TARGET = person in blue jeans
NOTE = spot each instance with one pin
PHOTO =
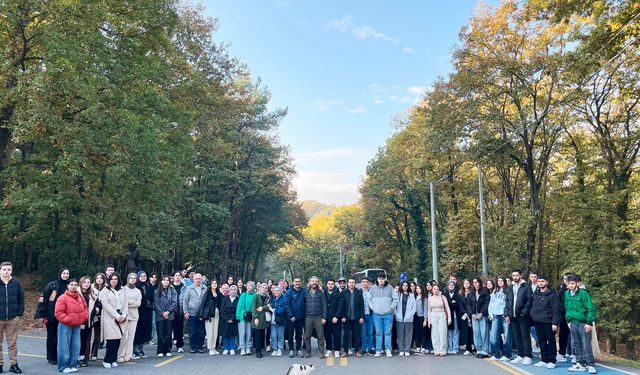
(453, 332)
(71, 312)
(499, 349)
(192, 299)
(382, 302)
(228, 315)
(367, 324)
(477, 305)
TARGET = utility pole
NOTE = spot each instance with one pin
(341, 260)
(482, 241)
(434, 250)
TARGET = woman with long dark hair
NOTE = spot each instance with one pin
(87, 327)
(145, 315)
(49, 297)
(228, 315)
(497, 304)
(477, 304)
(115, 310)
(466, 329)
(418, 320)
(164, 304)
(95, 314)
(71, 313)
(210, 313)
(404, 318)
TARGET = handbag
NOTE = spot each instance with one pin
(247, 316)
(268, 316)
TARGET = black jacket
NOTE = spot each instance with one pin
(563, 310)
(455, 307)
(209, 305)
(358, 304)
(481, 305)
(523, 301)
(11, 299)
(315, 304)
(228, 312)
(545, 307)
(334, 303)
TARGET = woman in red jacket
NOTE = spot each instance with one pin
(71, 312)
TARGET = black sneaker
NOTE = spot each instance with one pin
(192, 351)
(142, 355)
(15, 369)
(55, 363)
(201, 350)
(83, 363)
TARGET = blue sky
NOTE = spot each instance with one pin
(344, 69)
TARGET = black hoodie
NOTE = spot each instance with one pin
(545, 307)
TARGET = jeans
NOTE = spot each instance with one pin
(547, 342)
(277, 337)
(153, 324)
(481, 335)
(367, 333)
(520, 327)
(383, 324)
(229, 343)
(244, 331)
(196, 332)
(582, 344)
(498, 325)
(453, 338)
(68, 346)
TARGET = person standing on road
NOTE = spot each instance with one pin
(477, 305)
(333, 327)
(352, 318)
(71, 312)
(48, 299)
(95, 314)
(367, 325)
(145, 315)
(315, 316)
(438, 317)
(564, 338)
(418, 320)
(193, 297)
(279, 310)
(165, 300)
(177, 325)
(228, 309)
(545, 313)
(114, 317)
(134, 299)
(244, 316)
(580, 314)
(260, 308)
(210, 313)
(518, 306)
(466, 329)
(404, 313)
(87, 326)
(295, 316)
(11, 312)
(453, 329)
(383, 301)
(497, 304)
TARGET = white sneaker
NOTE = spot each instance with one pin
(279, 353)
(577, 368)
(494, 358)
(350, 352)
(67, 370)
(378, 354)
(407, 354)
(335, 354)
(114, 364)
(592, 370)
(401, 354)
(232, 352)
(526, 361)
(106, 365)
(274, 353)
(180, 350)
(560, 358)
(516, 360)
(225, 352)
(466, 352)
(212, 352)
(168, 355)
(215, 352)
(540, 364)
(74, 369)
(573, 359)
(160, 355)
(268, 348)
(551, 365)
(388, 352)
(504, 358)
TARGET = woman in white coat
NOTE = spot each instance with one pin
(405, 311)
(115, 310)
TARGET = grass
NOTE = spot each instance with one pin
(619, 361)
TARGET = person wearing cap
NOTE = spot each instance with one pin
(545, 313)
(342, 284)
(382, 302)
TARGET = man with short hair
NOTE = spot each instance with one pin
(516, 312)
(367, 325)
(333, 327)
(383, 301)
(11, 312)
(352, 318)
(178, 324)
(294, 302)
(110, 269)
(533, 282)
(545, 313)
(193, 297)
(315, 316)
(580, 314)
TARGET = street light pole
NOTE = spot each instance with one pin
(482, 240)
(341, 260)
(434, 251)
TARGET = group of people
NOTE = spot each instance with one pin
(482, 316)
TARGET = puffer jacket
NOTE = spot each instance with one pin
(12, 297)
(71, 309)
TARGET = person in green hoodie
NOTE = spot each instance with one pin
(581, 314)
(245, 316)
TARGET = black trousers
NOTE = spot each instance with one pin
(52, 340)
(521, 328)
(352, 331)
(95, 340)
(547, 342)
(111, 355)
(564, 337)
(178, 331)
(466, 336)
(295, 328)
(419, 333)
(85, 342)
(332, 333)
(163, 330)
(258, 338)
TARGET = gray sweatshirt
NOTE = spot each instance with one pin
(382, 300)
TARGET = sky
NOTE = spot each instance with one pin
(344, 70)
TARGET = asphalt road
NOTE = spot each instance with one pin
(31, 348)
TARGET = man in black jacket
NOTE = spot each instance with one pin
(352, 318)
(333, 326)
(516, 312)
(545, 313)
(11, 312)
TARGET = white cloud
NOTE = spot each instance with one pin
(285, 4)
(361, 32)
(325, 105)
(378, 101)
(406, 99)
(327, 187)
(335, 153)
(416, 90)
(393, 98)
(407, 49)
(343, 25)
(357, 111)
